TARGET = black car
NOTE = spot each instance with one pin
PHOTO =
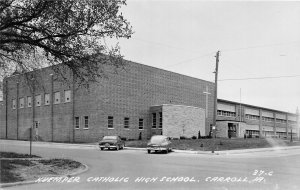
(159, 143)
(111, 142)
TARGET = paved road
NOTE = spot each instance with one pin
(138, 170)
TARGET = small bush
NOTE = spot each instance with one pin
(182, 137)
(194, 137)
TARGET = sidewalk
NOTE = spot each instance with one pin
(4, 142)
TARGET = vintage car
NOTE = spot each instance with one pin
(159, 143)
(111, 142)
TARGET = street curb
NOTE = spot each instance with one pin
(217, 152)
(173, 150)
(225, 152)
(85, 169)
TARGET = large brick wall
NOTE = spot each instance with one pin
(128, 93)
(184, 121)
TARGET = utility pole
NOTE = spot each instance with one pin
(215, 101)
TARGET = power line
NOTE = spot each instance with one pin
(260, 46)
(188, 60)
(259, 78)
(165, 45)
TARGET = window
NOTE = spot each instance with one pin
(86, 122)
(226, 113)
(67, 95)
(29, 101)
(252, 117)
(280, 120)
(126, 122)
(160, 120)
(141, 123)
(14, 103)
(153, 120)
(268, 119)
(21, 103)
(38, 100)
(110, 122)
(56, 97)
(47, 99)
(77, 122)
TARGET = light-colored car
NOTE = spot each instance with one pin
(111, 142)
(159, 143)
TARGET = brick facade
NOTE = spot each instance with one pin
(178, 121)
(129, 92)
(262, 121)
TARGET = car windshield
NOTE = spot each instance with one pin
(110, 138)
(157, 139)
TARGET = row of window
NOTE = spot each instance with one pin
(280, 120)
(110, 122)
(38, 100)
(252, 117)
(268, 119)
(226, 113)
(154, 120)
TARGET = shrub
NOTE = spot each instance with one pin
(182, 137)
(194, 137)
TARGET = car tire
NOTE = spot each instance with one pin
(149, 151)
(102, 148)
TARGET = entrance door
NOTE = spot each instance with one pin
(231, 130)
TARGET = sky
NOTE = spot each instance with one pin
(259, 44)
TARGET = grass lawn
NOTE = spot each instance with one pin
(220, 143)
(23, 169)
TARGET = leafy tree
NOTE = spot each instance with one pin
(39, 33)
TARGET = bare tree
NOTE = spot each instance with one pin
(39, 33)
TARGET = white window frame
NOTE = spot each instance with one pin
(14, 102)
(57, 97)
(38, 100)
(47, 99)
(29, 101)
(67, 95)
(21, 103)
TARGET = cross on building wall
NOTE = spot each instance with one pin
(206, 101)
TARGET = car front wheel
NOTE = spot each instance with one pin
(149, 151)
